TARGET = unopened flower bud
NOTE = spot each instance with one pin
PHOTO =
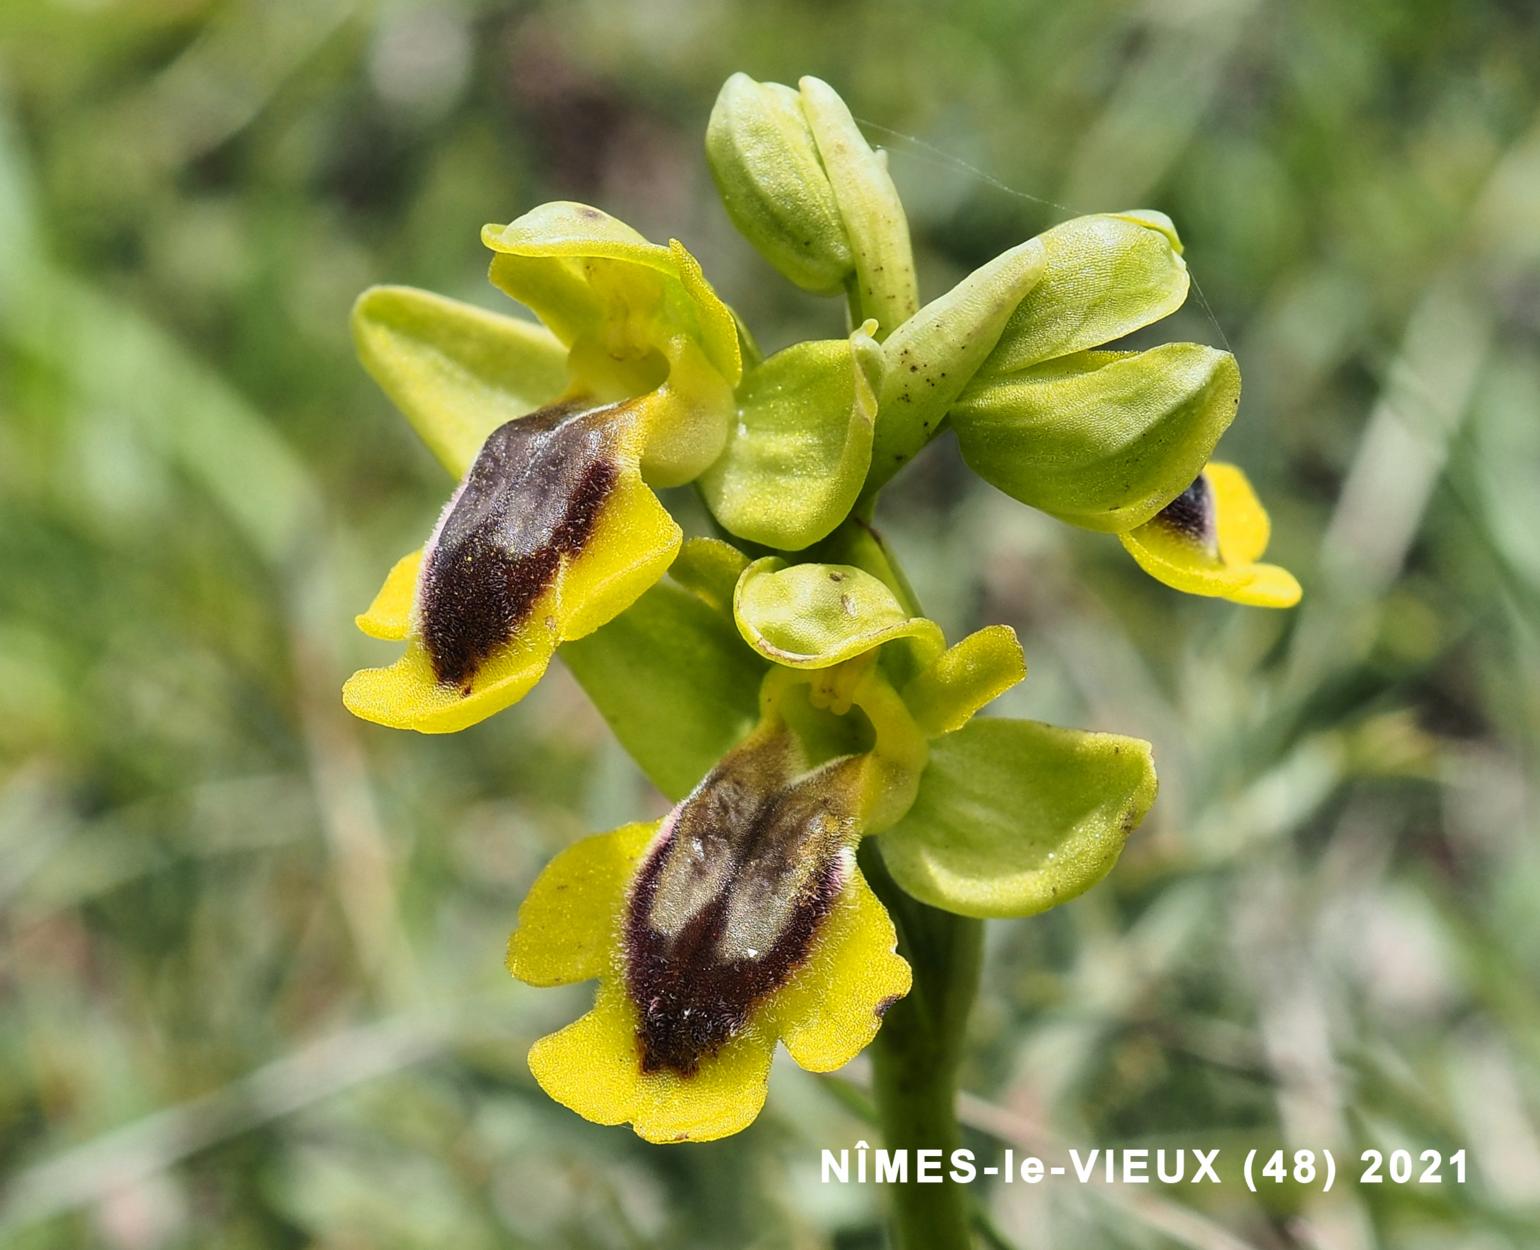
(765, 162)
(805, 188)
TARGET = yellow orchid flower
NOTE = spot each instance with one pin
(738, 920)
(1208, 541)
(741, 919)
(558, 435)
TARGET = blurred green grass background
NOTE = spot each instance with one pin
(251, 991)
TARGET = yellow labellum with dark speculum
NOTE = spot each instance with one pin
(1210, 540)
(554, 529)
(737, 921)
(551, 534)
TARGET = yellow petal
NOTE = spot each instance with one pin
(686, 417)
(593, 1066)
(631, 548)
(389, 617)
(1270, 586)
(975, 671)
(831, 1009)
(408, 694)
(1240, 520)
(566, 929)
(1172, 555)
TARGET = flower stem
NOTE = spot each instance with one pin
(915, 1058)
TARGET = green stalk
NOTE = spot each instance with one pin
(918, 1049)
(915, 1059)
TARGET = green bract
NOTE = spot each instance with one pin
(780, 682)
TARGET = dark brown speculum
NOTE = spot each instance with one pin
(728, 903)
(532, 496)
(1191, 514)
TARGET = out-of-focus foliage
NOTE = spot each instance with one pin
(251, 986)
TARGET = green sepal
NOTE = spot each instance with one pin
(710, 568)
(875, 224)
(818, 615)
(798, 454)
(964, 678)
(1103, 440)
(934, 354)
(456, 371)
(1105, 276)
(1014, 817)
(619, 302)
(674, 682)
(766, 167)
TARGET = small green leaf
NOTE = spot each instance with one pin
(673, 680)
(799, 452)
(1104, 440)
(456, 371)
(934, 354)
(816, 615)
(1014, 817)
(875, 223)
(773, 185)
(964, 678)
(1106, 276)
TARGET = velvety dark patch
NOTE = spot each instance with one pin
(533, 495)
(1191, 514)
(746, 847)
